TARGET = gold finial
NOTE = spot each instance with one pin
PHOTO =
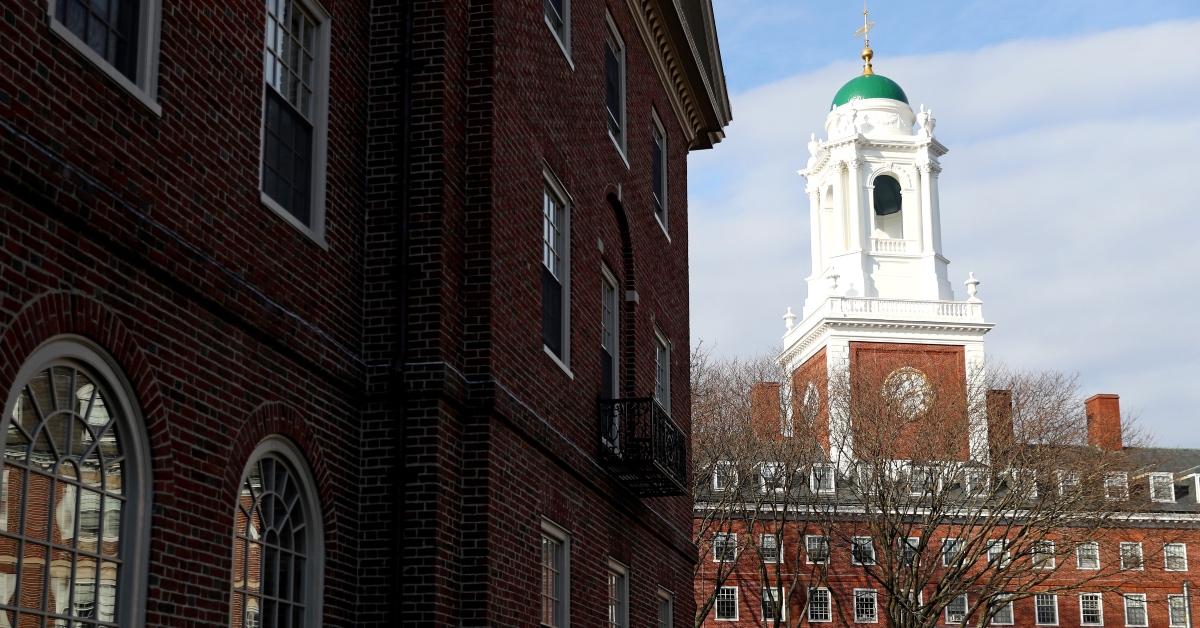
(865, 32)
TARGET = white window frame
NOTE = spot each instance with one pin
(664, 345)
(927, 471)
(1125, 597)
(664, 219)
(808, 549)
(559, 534)
(783, 614)
(874, 596)
(615, 568)
(946, 543)
(563, 39)
(665, 596)
(736, 604)
(909, 544)
(320, 122)
(1065, 478)
(1079, 556)
(1050, 553)
(814, 485)
(1170, 478)
(828, 605)
(966, 608)
(1003, 553)
(1116, 479)
(1027, 476)
(144, 85)
(1054, 598)
(1182, 554)
(614, 320)
(1187, 612)
(726, 537)
(733, 476)
(1099, 608)
(622, 143)
(1121, 554)
(762, 543)
(1011, 616)
(870, 544)
(554, 186)
(779, 476)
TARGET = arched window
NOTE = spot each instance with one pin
(277, 542)
(887, 202)
(74, 495)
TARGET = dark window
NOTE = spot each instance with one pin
(289, 72)
(556, 16)
(553, 272)
(614, 89)
(658, 174)
(608, 336)
(887, 195)
(109, 28)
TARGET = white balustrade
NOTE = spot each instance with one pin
(905, 309)
(893, 245)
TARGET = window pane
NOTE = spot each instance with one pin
(108, 28)
(613, 90)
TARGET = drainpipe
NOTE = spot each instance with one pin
(1187, 603)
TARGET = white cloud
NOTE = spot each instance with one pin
(1070, 189)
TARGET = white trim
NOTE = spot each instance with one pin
(134, 549)
(1182, 545)
(1012, 616)
(1053, 596)
(728, 536)
(1187, 612)
(1145, 609)
(871, 544)
(661, 339)
(320, 124)
(1079, 557)
(1099, 607)
(618, 568)
(314, 518)
(1123, 477)
(563, 41)
(783, 606)
(665, 220)
(854, 610)
(555, 186)
(144, 87)
(1047, 565)
(812, 479)
(945, 543)
(1170, 478)
(828, 600)
(733, 479)
(622, 145)
(1140, 556)
(607, 276)
(558, 533)
(668, 597)
(966, 608)
(778, 547)
(808, 550)
(737, 604)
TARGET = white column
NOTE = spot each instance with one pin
(927, 226)
(855, 191)
(815, 231)
(935, 212)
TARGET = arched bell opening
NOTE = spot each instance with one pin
(887, 203)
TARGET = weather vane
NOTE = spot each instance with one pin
(864, 31)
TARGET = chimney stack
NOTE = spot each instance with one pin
(999, 421)
(765, 413)
(1104, 421)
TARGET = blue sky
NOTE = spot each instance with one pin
(1073, 131)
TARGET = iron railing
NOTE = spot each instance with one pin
(642, 446)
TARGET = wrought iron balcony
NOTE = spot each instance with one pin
(642, 446)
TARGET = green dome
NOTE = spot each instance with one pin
(869, 86)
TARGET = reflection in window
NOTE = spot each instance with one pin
(64, 495)
(272, 548)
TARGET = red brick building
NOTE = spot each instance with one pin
(314, 312)
(913, 484)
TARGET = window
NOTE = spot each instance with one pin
(1162, 487)
(773, 604)
(662, 371)
(618, 595)
(1135, 609)
(277, 551)
(1091, 609)
(998, 554)
(866, 606)
(1004, 614)
(1116, 485)
(1178, 610)
(769, 548)
(724, 475)
(74, 446)
(1043, 555)
(817, 548)
(908, 549)
(924, 481)
(1175, 557)
(1087, 555)
(820, 606)
(1068, 483)
(614, 85)
(1024, 481)
(609, 326)
(951, 548)
(909, 604)
(724, 547)
(295, 99)
(956, 610)
(1046, 607)
(771, 477)
(1131, 556)
(666, 609)
(822, 479)
(727, 604)
(862, 550)
(120, 37)
(977, 481)
(556, 567)
(658, 170)
(558, 18)
(556, 272)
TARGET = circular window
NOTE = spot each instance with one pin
(909, 392)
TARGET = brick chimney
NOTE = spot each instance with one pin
(765, 413)
(999, 420)
(1104, 421)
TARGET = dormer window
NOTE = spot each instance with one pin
(1162, 487)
